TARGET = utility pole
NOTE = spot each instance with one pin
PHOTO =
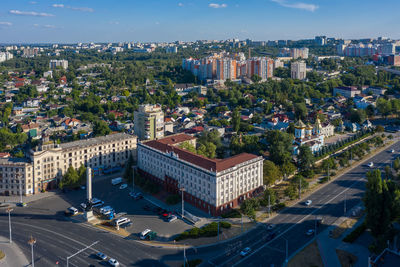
(329, 177)
(269, 206)
(133, 178)
(80, 252)
(315, 226)
(299, 187)
(182, 189)
(345, 203)
(242, 222)
(286, 249)
(184, 255)
(9, 210)
(20, 188)
(32, 241)
(218, 229)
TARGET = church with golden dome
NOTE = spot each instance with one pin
(306, 134)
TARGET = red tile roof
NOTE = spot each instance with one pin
(166, 145)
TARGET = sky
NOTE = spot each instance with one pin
(72, 21)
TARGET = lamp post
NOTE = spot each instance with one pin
(184, 255)
(287, 251)
(32, 241)
(9, 210)
(20, 188)
(345, 203)
(182, 189)
(133, 178)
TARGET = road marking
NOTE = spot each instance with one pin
(342, 192)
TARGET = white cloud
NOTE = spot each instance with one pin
(114, 22)
(83, 9)
(5, 23)
(299, 5)
(213, 5)
(180, 4)
(33, 2)
(45, 26)
(30, 13)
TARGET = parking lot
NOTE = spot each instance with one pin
(142, 213)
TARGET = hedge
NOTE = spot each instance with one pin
(208, 230)
(234, 213)
(356, 233)
(193, 263)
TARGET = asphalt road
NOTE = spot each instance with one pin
(292, 224)
(58, 237)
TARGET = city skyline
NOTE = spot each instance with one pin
(71, 21)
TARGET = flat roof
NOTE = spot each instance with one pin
(97, 140)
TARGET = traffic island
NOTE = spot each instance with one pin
(346, 258)
(2, 255)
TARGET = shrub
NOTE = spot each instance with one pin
(225, 225)
(173, 199)
(193, 263)
(279, 206)
(323, 180)
(234, 213)
(356, 233)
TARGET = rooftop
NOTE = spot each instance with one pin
(165, 145)
(96, 140)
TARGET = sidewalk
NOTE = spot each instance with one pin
(14, 256)
(328, 246)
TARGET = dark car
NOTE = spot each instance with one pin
(146, 207)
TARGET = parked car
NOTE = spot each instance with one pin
(71, 211)
(113, 262)
(308, 202)
(123, 186)
(166, 214)
(245, 252)
(172, 218)
(270, 226)
(83, 206)
(138, 196)
(392, 151)
(101, 256)
(310, 232)
(21, 204)
(371, 164)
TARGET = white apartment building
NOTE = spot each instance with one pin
(298, 70)
(4, 56)
(296, 53)
(54, 63)
(212, 185)
(47, 164)
(16, 176)
(149, 122)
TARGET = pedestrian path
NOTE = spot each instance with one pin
(14, 255)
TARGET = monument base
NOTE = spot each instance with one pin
(89, 216)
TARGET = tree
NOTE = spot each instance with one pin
(305, 159)
(271, 194)
(287, 168)
(101, 128)
(69, 179)
(128, 173)
(188, 146)
(329, 164)
(280, 146)
(249, 207)
(384, 106)
(271, 172)
(236, 120)
(255, 78)
(300, 110)
(208, 150)
(81, 174)
(358, 115)
(396, 164)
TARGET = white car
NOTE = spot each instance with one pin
(172, 218)
(310, 232)
(371, 164)
(392, 151)
(245, 252)
(123, 186)
(308, 202)
(113, 262)
(101, 256)
(83, 206)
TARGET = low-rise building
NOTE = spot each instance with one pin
(346, 91)
(16, 176)
(212, 185)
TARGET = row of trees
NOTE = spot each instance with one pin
(73, 178)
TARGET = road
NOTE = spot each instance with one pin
(58, 237)
(291, 224)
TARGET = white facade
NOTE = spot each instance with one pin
(4, 56)
(298, 70)
(14, 173)
(54, 63)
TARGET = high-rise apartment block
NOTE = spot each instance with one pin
(5, 56)
(366, 49)
(54, 63)
(149, 122)
(224, 66)
(30, 52)
(296, 53)
(298, 70)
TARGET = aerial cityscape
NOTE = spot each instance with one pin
(199, 133)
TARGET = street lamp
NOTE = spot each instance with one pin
(133, 178)
(32, 241)
(182, 189)
(9, 210)
(287, 248)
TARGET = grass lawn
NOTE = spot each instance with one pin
(309, 256)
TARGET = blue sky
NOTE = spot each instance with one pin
(69, 21)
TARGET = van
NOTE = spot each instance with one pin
(144, 234)
(96, 202)
(121, 221)
(116, 181)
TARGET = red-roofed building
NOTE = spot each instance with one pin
(213, 185)
(63, 80)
